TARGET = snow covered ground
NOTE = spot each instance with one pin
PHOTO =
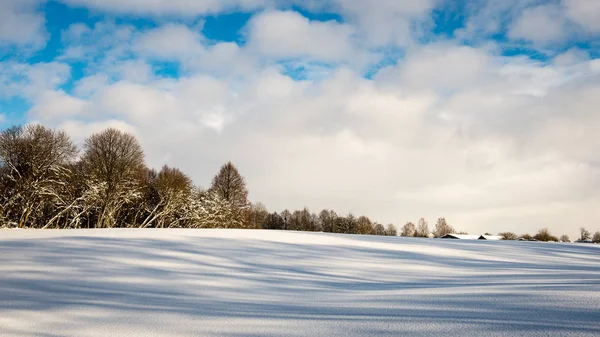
(261, 283)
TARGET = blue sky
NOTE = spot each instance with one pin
(308, 96)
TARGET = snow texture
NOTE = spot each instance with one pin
(263, 283)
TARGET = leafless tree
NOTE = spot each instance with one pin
(210, 210)
(305, 221)
(409, 230)
(274, 221)
(34, 170)
(379, 229)
(112, 162)
(327, 220)
(172, 190)
(422, 229)
(294, 223)
(347, 224)
(391, 230)
(585, 234)
(365, 226)
(544, 235)
(286, 215)
(526, 236)
(256, 216)
(565, 238)
(442, 228)
(508, 236)
(230, 186)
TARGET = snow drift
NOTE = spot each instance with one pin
(262, 283)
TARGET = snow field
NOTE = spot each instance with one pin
(267, 283)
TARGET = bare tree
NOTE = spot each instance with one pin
(391, 230)
(256, 216)
(596, 237)
(442, 228)
(544, 235)
(113, 161)
(422, 229)
(274, 221)
(379, 229)
(171, 190)
(346, 225)
(230, 186)
(526, 236)
(508, 236)
(294, 221)
(565, 238)
(286, 215)
(409, 230)
(34, 169)
(327, 219)
(210, 210)
(585, 234)
(305, 221)
(364, 226)
(314, 218)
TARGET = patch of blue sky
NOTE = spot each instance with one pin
(166, 69)
(305, 70)
(547, 54)
(390, 58)
(226, 27)
(13, 111)
(592, 47)
(319, 16)
(78, 71)
(514, 50)
(449, 17)
(59, 18)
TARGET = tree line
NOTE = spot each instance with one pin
(46, 181)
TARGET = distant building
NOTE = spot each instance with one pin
(490, 237)
(584, 241)
(470, 237)
(460, 237)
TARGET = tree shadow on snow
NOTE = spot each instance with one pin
(376, 291)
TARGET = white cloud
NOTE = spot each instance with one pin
(22, 25)
(100, 46)
(441, 66)
(487, 17)
(55, 106)
(89, 85)
(185, 8)
(585, 13)
(19, 79)
(543, 25)
(451, 131)
(186, 45)
(170, 42)
(388, 22)
(285, 35)
(571, 57)
(79, 131)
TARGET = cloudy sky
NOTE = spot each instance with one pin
(485, 112)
